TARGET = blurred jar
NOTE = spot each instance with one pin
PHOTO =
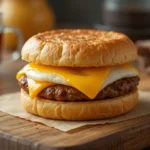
(131, 17)
(31, 16)
(125, 13)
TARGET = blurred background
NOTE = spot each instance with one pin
(131, 17)
(20, 19)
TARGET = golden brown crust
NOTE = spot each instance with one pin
(79, 48)
(79, 110)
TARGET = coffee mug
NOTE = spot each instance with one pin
(15, 55)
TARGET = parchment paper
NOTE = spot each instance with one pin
(11, 104)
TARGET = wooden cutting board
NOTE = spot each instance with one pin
(19, 134)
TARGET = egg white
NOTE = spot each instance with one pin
(114, 75)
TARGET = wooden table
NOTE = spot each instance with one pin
(19, 134)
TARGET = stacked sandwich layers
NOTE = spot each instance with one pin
(78, 75)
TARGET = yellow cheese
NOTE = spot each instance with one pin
(35, 87)
(87, 80)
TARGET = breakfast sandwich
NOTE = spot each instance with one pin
(78, 75)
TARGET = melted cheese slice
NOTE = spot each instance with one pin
(35, 87)
(87, 80)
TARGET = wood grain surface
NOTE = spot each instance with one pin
(19, 134)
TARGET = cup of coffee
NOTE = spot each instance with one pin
(14, 54)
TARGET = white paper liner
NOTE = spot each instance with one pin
(11, 104)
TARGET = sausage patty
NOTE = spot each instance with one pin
(67, 93)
